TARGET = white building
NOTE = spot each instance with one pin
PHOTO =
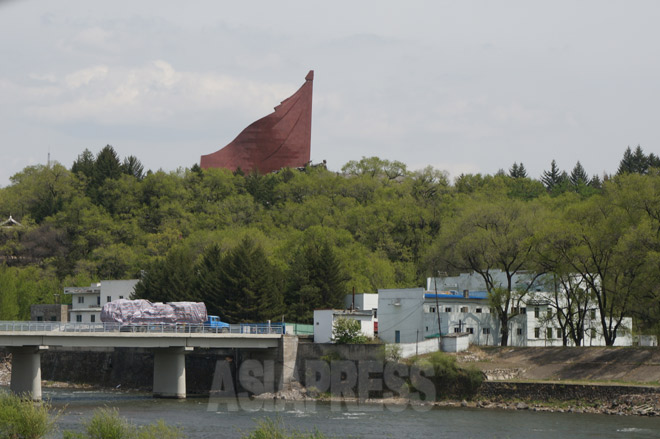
(415, 314)
(324, 322)
(363, 302)
(88, 301)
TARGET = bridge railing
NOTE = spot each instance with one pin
(243, 328)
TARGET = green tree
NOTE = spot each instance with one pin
(552, 178)
(518, 171)
(317, 281)
(348, 331)
(250, 286)
(171, 279)
(488, 236)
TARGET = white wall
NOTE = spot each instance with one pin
(323, 322)
(407, 350)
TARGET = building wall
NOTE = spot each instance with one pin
(323, 325)
(363, 302)
(87, 301)
(407, 311)
(49, 313)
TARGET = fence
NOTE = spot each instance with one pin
(181, 328)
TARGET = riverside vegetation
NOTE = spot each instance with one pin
(20, 418)
(258, 247)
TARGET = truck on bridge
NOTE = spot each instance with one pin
(131, 315)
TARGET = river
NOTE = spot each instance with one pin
(201, 420)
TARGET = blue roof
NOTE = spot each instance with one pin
(477, 295)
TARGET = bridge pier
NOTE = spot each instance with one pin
(170, 372)
(26, 371)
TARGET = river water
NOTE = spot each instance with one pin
(201, 418)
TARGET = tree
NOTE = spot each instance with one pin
(518, 171)
(249, 287)
(635, 162)
(552, 178)
(171, 279)
(133, 166)
(488, 236)
(579, 177)
(317, 281)
(348, 331)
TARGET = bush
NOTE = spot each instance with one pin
(274, 429)
(21, 418)
(107, 424)
(347, 331)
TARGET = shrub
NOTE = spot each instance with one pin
(107, 424)
(269, 428)
(347, 331)
(21, 418)
(449, 378)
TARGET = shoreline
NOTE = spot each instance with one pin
(631, 404)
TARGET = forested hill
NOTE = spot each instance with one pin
(255, 247)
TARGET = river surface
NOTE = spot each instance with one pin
(201, 418)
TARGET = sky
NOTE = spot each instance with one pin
(463, 86)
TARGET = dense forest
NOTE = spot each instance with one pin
(257, 247)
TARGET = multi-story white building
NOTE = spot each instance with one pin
(88, 301)
(414, 314)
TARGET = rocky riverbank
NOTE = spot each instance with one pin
(645, 403)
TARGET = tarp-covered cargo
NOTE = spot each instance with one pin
(143, 311)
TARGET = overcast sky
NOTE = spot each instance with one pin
(464, 86)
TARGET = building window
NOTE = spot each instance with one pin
(537, 332)
(519, 331)
(427, 329)
(448, 309)
(560, 333)
(537, 311)
(432, 309)
(108, 299)
(397, 336)
(470, 330)
(593, 332)
(98, 300)
(523, 310)
(485, 331)
(92, 318)
(81, 299)
(457, 329)
(40, 319)
(53, 318)
(549, 313)
(464, 309)
(549, 332)
(478, 311)
(78, 318)
(121, 297)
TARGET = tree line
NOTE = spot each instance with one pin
(257, 247)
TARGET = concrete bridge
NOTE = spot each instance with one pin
(170, 343)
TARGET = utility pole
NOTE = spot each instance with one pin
(437, 308)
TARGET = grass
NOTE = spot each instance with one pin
(21, 418)
(269, 428)
(107, 424)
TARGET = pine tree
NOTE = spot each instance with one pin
(84, 165)
(133, 166)
(635, 162)
(579, 176)
(317, 280)
(169, 280)
(518, 171)
(552, 178)
(249, 286)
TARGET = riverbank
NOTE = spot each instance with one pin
(515, 392)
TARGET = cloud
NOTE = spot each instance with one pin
(149, 94)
